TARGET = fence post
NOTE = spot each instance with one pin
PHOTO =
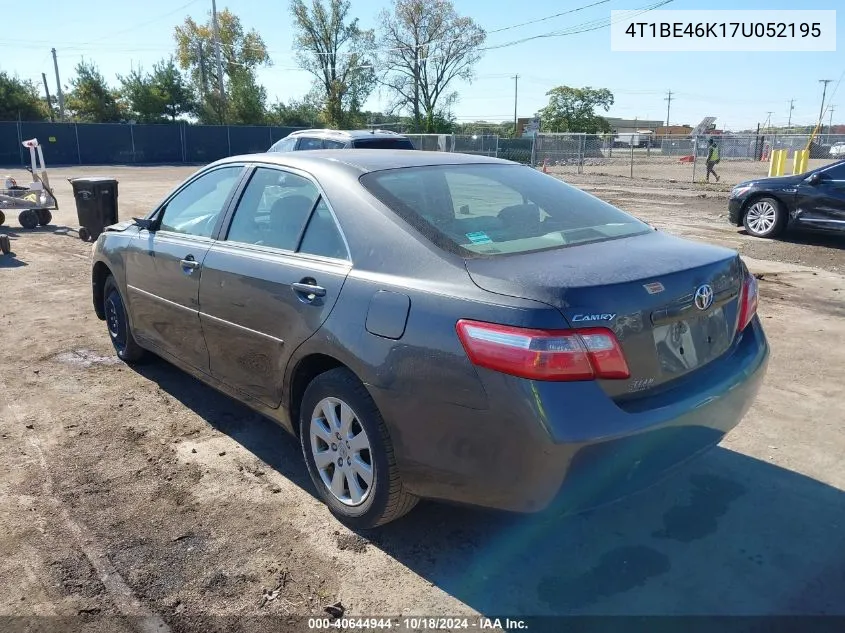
(229, 139)
(132, 138)
(270, 130)
(20, 141)
(534, 149)
(632, 158)
(184, 139)
(78, 150)
(497, 146)
(694, 156)
(582, 153)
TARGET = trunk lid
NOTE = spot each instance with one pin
(643, 288)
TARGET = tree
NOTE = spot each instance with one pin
(155, 97)
(297, 113)
(91, 100)
(248, 100)
(334, 49)
(19, 100)
(573, 110)
(242, 53)
(427, 47)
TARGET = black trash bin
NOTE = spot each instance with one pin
(96, 204)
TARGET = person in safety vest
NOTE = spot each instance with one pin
(712, 159)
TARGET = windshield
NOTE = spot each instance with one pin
(382, 143)
(484, 210)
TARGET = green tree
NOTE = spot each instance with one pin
(242, 52)
(428, 47)
(90, 99)
(157, 96)
(332, 47)
(19, 100)
(306, 112)
(573, 110)
(248, 100)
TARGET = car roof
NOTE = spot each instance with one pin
(365, 160)
(346, 134)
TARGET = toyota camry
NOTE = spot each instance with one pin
(439, 325)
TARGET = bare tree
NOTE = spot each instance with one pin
(426, 46)
(335, 50)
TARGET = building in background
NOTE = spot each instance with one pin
(632, 126)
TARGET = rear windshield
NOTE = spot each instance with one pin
(488, 210)
(382, 143)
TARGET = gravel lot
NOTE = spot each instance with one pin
(143, 493)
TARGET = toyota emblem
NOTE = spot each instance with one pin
(704, 297)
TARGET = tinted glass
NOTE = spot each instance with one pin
(310, 143)
(196, 208)
(322, 236)
(497, 209)
(329, 144)
(273, 209)
(382, 143)
(837, 172)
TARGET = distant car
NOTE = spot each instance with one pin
(837, 150)
(439, 325)
(341, 139)
(769, 206)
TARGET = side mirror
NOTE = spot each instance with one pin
(145, 223)
(814, 179)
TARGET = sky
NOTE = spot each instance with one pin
(740, 89)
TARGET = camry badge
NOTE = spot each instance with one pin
(703, 297)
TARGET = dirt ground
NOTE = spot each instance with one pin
(669, 170)
(139, 499)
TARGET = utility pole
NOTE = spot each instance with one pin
(59, 87)
(47, 92)
(668, 100)
(219, 58)
(830, 124)
(824, 92)
(791, 108)
(768, 124)
(515, 94)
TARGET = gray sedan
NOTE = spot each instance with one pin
(434, 325)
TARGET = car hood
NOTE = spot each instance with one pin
(777, 182)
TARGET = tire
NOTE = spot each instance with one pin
(2, 218)
(385, 498)
(84, 234)
(28, 219)
(117, 324)
(5, 245)
(44, 217)
(764, 217)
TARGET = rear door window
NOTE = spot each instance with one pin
(309, 143)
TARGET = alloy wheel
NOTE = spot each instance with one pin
(341, 451)
(761, 217)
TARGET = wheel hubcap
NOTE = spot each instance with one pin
(341, 451)
(761, 217)
(113, 320)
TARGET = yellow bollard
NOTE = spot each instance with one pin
(778, 162)
(805, 160)
(782, 163)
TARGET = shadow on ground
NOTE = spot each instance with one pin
(728, 534)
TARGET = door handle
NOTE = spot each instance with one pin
(189, 264)
(308, 290)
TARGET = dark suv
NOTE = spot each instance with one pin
(341, 139)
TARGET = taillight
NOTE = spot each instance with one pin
(747, 302)
(582, 354)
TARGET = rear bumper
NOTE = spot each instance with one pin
(735, 211)
(541, 443)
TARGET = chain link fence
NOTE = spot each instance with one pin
(664, 158)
